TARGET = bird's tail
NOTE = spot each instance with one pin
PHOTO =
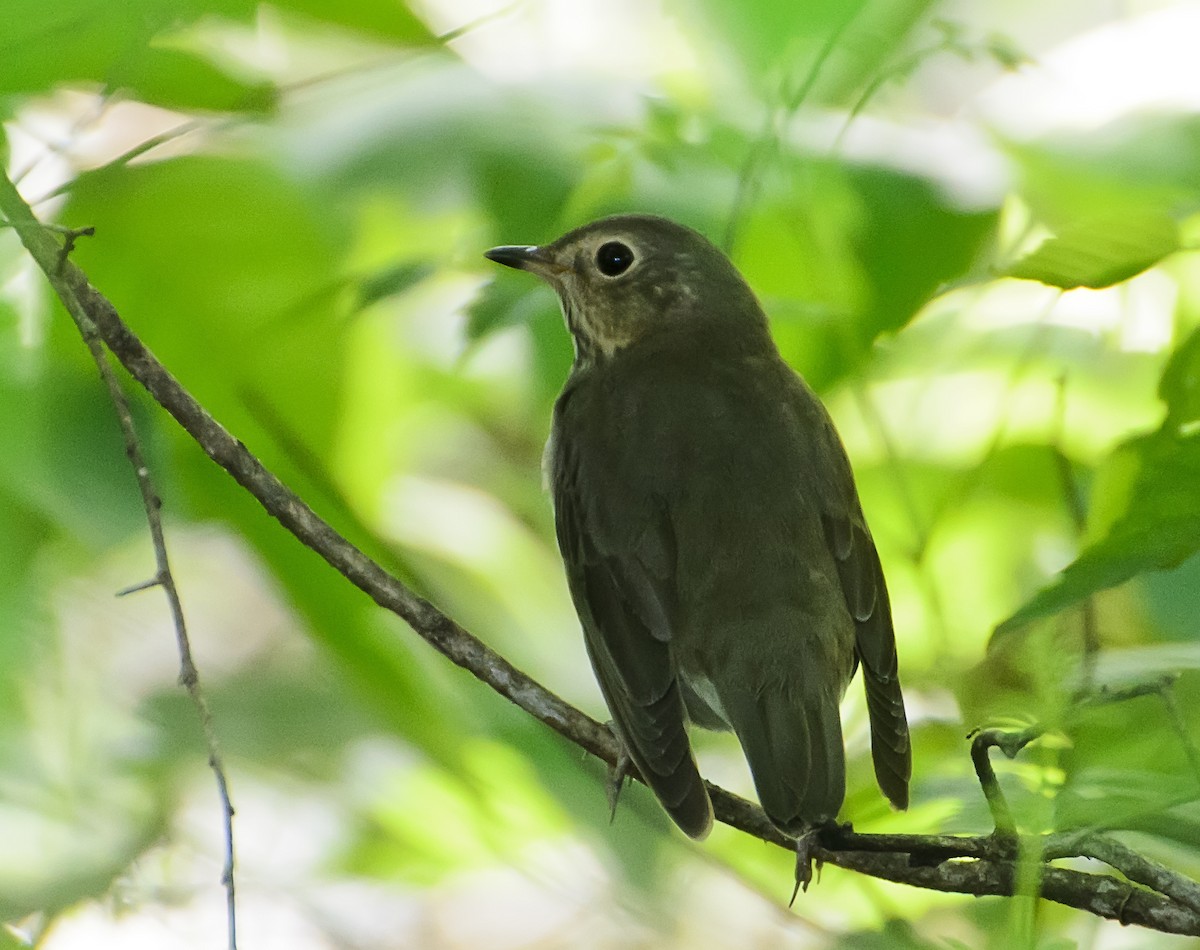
(792, 737)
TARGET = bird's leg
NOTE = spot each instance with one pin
(617, 773)
(812, 837)
(804, 862)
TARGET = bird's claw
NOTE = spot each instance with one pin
(805, 859)
(617, 773)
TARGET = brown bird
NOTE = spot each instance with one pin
(714, 544)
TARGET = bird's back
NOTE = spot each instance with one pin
(713, 469)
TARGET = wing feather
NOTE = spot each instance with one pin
(865, 590)
(619, 578)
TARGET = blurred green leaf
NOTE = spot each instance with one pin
(429, 824)
(61, 455)
(1099, 252)
(763, 31)
(392, 21)
(277, 714)
(832, 48)
(1158, 527)
(1132, 799)
(852, 256)
(116, 46)
(225, 258)
(896, 935)
(175, 79)
(1180, 384)
(913, 239)
(389, 282)
(507, 300)
(1140, 167)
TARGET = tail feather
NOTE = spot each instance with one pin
(890, 746)
(792, 739)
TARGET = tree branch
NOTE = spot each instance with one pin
(978, 865)
(189, 675)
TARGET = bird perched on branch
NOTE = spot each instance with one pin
(714, 544)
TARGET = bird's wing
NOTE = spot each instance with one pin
(619, 557)
(866, 594)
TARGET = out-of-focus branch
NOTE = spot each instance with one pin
(982, 865)
(189, 676)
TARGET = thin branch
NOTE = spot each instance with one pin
(189, 676)
(310, 467)
(979, 865)
(763, 148)
(1133, 865)
(1073, 496)
(1010, 743)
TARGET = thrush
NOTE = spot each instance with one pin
(714, 543)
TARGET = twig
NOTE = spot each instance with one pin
(1106, 695)
(310, 467)
(189, 676)
(1010, 743)
(1075, 505)
(762, 149)
(979, 865)
(1133, 865)
(1162, 686)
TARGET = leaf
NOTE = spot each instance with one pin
(227, 268)
(47, 46)
(854, 255)
(389, 282)
(1115, 669)
(913, 240)
(61, 456)
(176, 79)
(1127, 799)
(1099, 252)
(1134, 168)
(506, 301)
(1179, 387)
(834, 47)
(1158, 527)
(392, 21)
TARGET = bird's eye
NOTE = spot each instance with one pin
(613, 259)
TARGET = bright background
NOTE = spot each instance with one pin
(291, 201)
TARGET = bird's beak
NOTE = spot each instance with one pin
(536, 260)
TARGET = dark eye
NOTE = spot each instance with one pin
(613, 259)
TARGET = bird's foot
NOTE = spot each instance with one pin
(806, 842)
(617, 774)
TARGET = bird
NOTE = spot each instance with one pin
(713, 540)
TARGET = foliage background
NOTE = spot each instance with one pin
(972, 226)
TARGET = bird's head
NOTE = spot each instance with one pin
(626, 278)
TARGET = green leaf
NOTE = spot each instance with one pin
(230, 272)
(118, 46)
(176, 79)
(1099, 252)
(62, 457)
(914, 239)
(506, 301)
(1131, 799)
(831, 47)
(1180, 384)
(389, 282)
(1158, 527)
(1134, 168)
(853, 255)
(392, 21)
